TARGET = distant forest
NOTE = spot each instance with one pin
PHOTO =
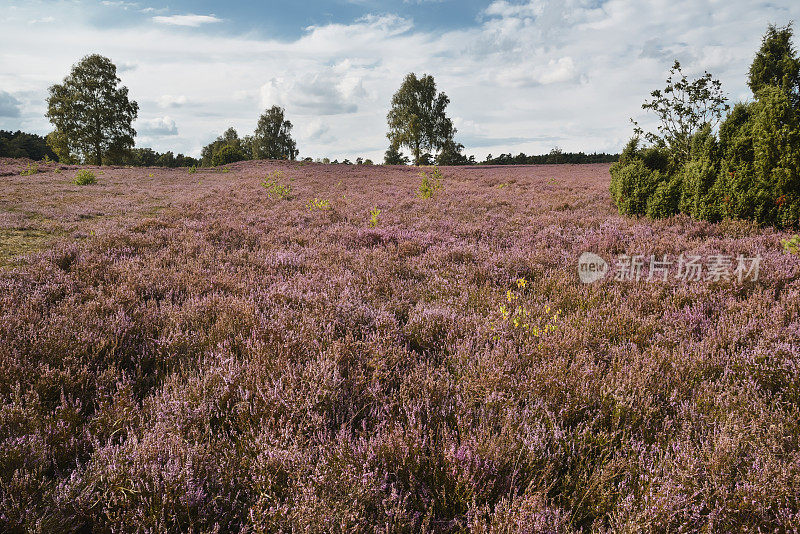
(555, 156)
(24, 145)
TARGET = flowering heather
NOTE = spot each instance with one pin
(181, 353)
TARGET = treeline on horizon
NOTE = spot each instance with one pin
(556, 156)
(21, 144)
(24, 145)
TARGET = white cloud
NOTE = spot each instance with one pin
(333, 91)
(157, 127)
(170, 101)
(120, 4)
(317, 131)
(505, 9)
(528, 75)
(126, 66)
(186, 20)
(43, 20)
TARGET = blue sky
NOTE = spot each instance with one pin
(522, 75)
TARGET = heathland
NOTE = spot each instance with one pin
(276, 346)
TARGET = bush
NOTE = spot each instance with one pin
(632, 185)
(374, 214)
(665, 199)
(750, 171)
(792, 245)
(84, 177)
(30, 170)
(275, 189)
(227, 154)
(430, 184)
(318, 204)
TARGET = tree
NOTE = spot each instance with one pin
(92, 115)
(273, 136)
(227, 154)
(451, 154)
(229, 138)
(417, 118)
(683, 108)
(749, 170)
(394, 157)
(556, 155)
(776, 64)
(24, 145)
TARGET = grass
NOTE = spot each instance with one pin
(15, 242)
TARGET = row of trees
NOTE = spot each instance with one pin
(93, 118)
(748, 168)
(25, 145)
(556, 156)
(147, 157)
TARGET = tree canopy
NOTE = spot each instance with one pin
(393, 156)
(776, 64)
(273, 136)
(451, 154)
(24, 145)
(92, 114)
(239, 150)
(271, 140)
(417, 118)
(683, 108)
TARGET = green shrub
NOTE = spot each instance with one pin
(318, 204)
(792, 245)
(275, 189)
(665, 199)
(373, 219)
(30, 170)
(227, 154)
(751, 170)
(84, 177)
(632, 185)
(430, 184)
(192, 169)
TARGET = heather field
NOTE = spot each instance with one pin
(188, 352)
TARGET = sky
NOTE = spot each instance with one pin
(522, 76)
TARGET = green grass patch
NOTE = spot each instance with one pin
(15, 242)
